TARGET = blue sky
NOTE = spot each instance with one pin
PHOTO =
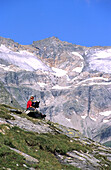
(82, 22)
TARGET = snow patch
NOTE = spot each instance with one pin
(42, 84)
(78, 69)
(105, 121)
(83, 117)
(93, 119)
(77, 54)
(106, 113)
(59, 72)
(68, 119)
(60, 87)
(68, 79)
(95, 78)
(99, 78)
(95, 83)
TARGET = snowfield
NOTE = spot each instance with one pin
(23, 59)
(27, 61)
(100, 61)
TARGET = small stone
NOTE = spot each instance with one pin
(71, 140)
(25, 165)
(106, 165)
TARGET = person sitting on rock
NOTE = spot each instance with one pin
(33, 112)
(29, 104)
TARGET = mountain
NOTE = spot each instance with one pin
(72, 82)
(28, 143)
(7, 98)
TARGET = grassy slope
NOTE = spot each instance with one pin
(40, 146)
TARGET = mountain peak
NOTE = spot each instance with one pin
(47, 42)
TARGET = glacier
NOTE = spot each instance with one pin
(23, 59)
(100, 60)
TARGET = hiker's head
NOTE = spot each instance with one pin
(32, 97)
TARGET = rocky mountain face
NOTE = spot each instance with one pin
(72, 82)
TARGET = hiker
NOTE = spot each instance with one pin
(29, 104)
(32, 109)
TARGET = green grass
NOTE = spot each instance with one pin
(52, 143)
(39, 146)
(10, 159)
(4, 113)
